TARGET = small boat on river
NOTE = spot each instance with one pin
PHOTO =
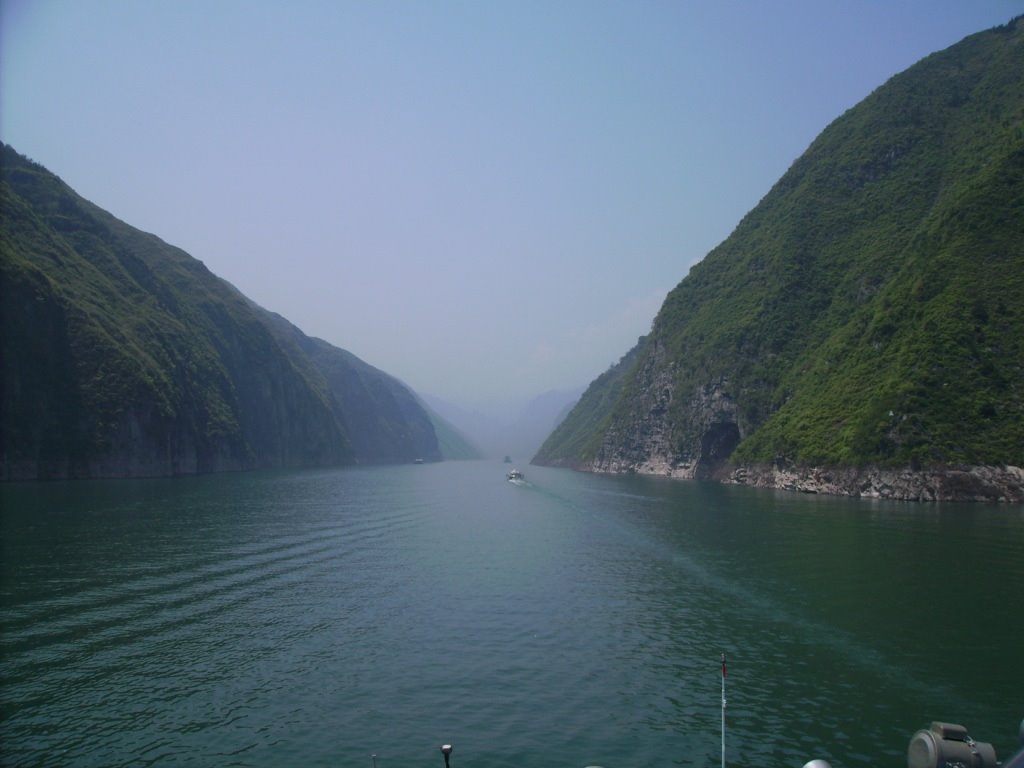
(514, 475)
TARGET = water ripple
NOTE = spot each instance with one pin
(317, 618)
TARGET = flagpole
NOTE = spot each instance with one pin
(723, 710)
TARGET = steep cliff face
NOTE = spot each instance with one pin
(864, 314)
(649, 440)
(123, 356)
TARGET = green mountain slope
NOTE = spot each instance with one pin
(869, 310)
(383, 419)
(124, 356)
(578, 436)
(453, 444)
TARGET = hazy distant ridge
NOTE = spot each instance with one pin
(868, 313)
(514, 429)
(123, 356)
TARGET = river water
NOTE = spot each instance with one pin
(321, 618)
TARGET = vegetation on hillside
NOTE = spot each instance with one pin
(869, 309)
(122, 355)
(579, 434)
(453, 444)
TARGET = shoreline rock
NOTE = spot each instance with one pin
(1003, 484)
(968, 483)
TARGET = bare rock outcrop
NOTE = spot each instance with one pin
(662, 438)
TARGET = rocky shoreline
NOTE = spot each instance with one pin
(976, 483)
(964, 483)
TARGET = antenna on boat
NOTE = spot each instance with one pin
(374, 758)
(723, 710)
(446, 750)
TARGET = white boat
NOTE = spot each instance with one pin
(515, 474)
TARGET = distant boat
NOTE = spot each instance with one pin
(508, 459)
(515, 474)
(418, 461)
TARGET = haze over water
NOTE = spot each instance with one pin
(316, 618)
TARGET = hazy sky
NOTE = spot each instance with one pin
(487, 199)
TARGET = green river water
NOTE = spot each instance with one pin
(321, 618)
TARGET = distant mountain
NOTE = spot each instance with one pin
(525, 434)
(454, 443)
(123, 356)
(862, 329)
(384, 420)
(508, 429)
